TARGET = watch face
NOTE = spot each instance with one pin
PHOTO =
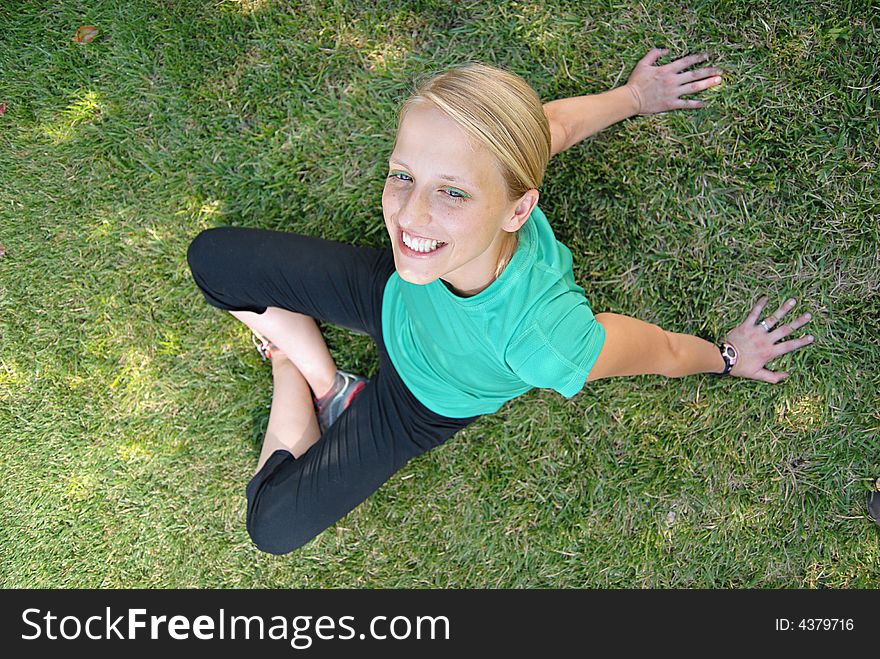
(731, 351)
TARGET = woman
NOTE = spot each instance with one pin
(474, 304)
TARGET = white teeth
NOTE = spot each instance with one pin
(421, 244)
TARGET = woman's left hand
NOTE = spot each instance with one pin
(658, 88)
(756, 345)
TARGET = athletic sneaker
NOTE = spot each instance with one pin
(332, 404)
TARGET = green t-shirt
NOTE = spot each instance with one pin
(531, 327)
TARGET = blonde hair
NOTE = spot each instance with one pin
(499, 110)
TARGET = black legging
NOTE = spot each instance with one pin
(291, 500)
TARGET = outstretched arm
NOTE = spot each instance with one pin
(650, 89)
(634, 347)
(576, 118)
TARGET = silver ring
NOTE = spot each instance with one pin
(764, 325)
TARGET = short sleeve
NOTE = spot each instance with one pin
(557, 347)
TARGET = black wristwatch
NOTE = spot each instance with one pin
(730, 355)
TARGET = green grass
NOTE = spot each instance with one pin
(131, 411)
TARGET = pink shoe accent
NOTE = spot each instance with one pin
(357, 389)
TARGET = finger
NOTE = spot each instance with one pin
(784, 308)
(787, 346)
(777, 315)
(756, 310)
(700, 85)
(699, 74)
(770, 376)
(687, 104)
(683, 63)
(784, 330)
(653, 55)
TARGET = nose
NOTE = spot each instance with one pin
(413, 211)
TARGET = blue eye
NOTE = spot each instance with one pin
(452, 193)
(457, 195)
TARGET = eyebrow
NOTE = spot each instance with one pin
(445, 177)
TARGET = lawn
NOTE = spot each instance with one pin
(131, 412)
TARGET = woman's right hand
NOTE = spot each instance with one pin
(659, 88)
(755, 346)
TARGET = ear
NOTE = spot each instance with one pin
(524, 207)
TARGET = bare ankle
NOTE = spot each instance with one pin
(324, 386)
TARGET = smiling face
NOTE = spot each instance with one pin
(446, 204)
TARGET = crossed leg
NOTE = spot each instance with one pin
(306, 482)
(305, 366)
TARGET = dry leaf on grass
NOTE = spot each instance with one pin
(2, 109)
(2, 250)
(85, 33)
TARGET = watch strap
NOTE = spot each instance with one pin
(730, 356)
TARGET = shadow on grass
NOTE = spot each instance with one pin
(259, 423)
